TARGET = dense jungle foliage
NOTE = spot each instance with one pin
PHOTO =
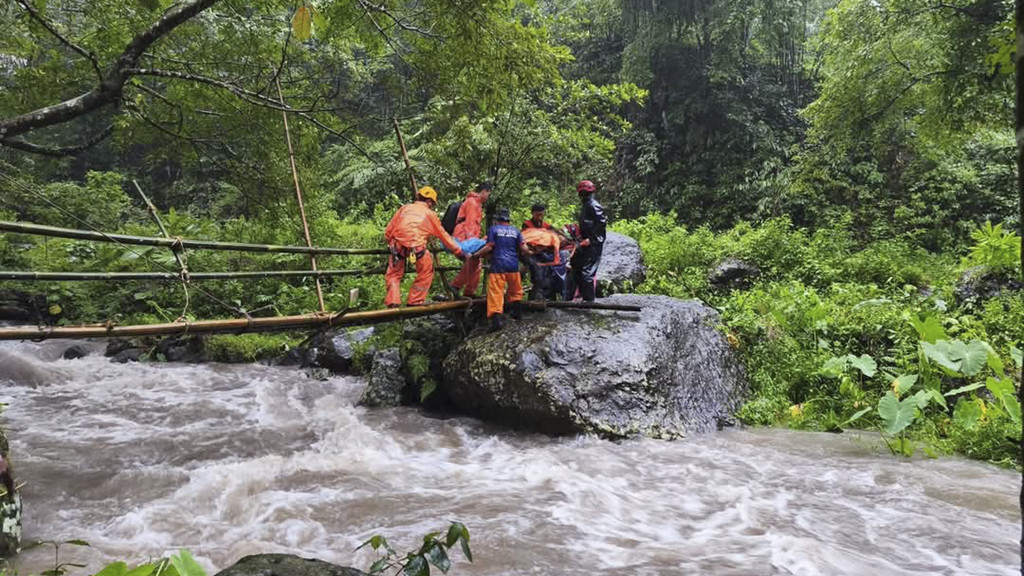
(858, 153)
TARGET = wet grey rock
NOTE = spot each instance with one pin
(335, 350)
(384, 387)
(75, 352)
(978, 284)
(622, 265)
(733, 273)
(127, 355)
(286, 565)
(18, 306)
(664, 373)
(190, 349)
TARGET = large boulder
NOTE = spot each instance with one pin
(286, 565)
(622, 265)
(19, 306)
(979, 283)
(733, 273)
(664, 372)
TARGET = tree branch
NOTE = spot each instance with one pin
(53, 31)
(56, 151)
(111, 87)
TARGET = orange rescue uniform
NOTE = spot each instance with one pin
(408, 233)
(469, 225)
(501, 285)
(543, 238)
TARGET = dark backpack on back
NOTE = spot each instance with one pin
(451, 217)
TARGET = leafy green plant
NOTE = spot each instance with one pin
(995, 248)
(434, 551)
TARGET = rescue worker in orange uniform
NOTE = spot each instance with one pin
(548, 264)
(504, 244)
(469, 225)
(407, 235)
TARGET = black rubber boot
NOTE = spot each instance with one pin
(517, 310)
(497, 323)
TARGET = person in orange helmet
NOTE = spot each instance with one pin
(470, 225)
(407, 235)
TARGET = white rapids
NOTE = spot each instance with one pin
(142, 460)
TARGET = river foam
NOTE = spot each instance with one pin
(144, 459)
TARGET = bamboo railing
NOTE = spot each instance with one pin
(176, 243)
(166, 276)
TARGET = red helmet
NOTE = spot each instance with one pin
(585, 186)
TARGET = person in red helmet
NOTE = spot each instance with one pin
(587, 259)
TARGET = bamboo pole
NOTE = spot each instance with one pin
(164, 276)
(75, 234)
(240, 326)
(298, 194)
(415, 191)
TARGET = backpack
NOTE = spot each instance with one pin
(451, 217)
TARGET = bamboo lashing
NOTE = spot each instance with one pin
(239, 326)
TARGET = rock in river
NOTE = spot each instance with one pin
(664, 372)
(286, 565)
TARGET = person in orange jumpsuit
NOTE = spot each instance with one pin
(505, 244)
(469, 225)
(407, 235)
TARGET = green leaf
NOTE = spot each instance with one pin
(417, 566)
(921, 398)
(999, 387)
(186, 565)
(937, 397)
(855, 417)
(967, 413)
(302, 24)
(115, 569)
(465, 548)
(962, 389)
(994, 361)
(1012, 406)
(896, 414)
(438, 557)
(319, 22)
(76, 542)
(1017, 355)
(902, 384)
(973, 357)
(940, 354)
(865, 364)
(428, 388)
(929, 329)
(379, 566)
(453, 535)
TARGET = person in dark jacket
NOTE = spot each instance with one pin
(587, 259)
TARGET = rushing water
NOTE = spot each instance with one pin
(144, 459)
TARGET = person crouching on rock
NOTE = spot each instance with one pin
(504, 245)
(407, 235)
(547, 263)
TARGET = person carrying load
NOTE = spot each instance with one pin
(587, 258)
(548, 263)
(407, 235)
(504, 245)
(467, 231)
